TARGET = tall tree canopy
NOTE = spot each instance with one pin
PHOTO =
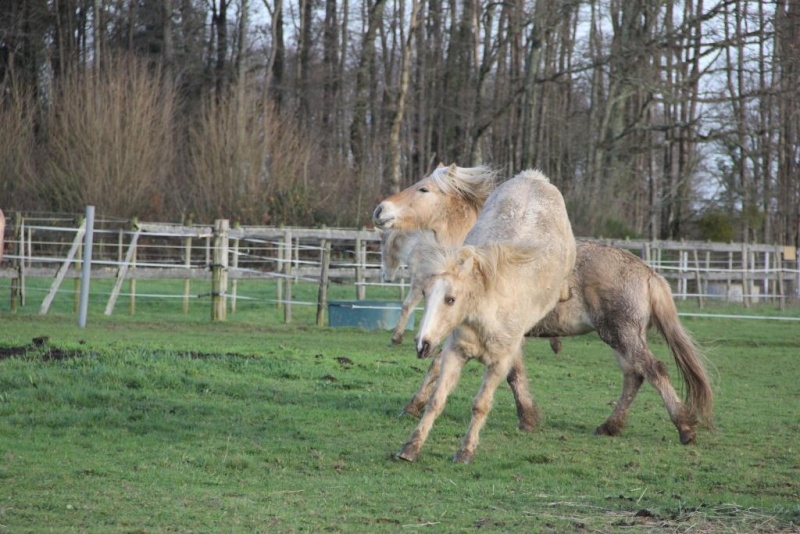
(663, 119)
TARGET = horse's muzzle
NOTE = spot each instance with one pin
(376, 217)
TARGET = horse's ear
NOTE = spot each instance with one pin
(452, 168)
(440, 166)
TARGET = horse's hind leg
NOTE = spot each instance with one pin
(638, 364)
(411, 300)
(678, 413)
(417, 402)
(527, 412)
(631, 382)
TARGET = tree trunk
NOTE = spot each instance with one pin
(394, 148)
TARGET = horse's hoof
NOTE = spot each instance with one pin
(396, 341)
(687, 437)
(463, 457)
(606, 430)
(409, 454)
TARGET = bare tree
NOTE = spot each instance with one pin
(394, 147)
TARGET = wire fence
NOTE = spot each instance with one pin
(217, 258)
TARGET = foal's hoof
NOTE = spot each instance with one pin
(606, 430)
(687, 437)
(526, 426)
(411, 411)
(463, 457)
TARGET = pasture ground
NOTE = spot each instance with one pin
(155, 423)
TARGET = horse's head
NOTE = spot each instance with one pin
(446, 202)
(449, 277)
(396, 248)
(414, 207)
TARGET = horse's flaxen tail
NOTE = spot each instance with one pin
(699, 397)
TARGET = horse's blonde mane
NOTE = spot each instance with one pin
(474, 184)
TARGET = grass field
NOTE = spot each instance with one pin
(168, 423)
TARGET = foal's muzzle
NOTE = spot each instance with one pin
(423, 349)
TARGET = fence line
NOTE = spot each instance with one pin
(127, 251)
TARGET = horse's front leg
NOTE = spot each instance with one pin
(452, 364)
(527, 412)
(417, 403)
(495, 372)
(410, 302)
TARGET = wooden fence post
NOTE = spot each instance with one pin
(360, 253)
(77, 282)
(234, 282)
(779, 273)
(62, 271)
(278, 282)
(699, 279)
(745, 276)
(219, 271)
(322, 297)
(26, 251)
(16, 282)
(287, 273)
(132, 281)
(187, 262)
(122, 271)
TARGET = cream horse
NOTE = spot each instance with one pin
(611, 291)
(522, 239)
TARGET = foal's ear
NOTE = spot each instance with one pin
(466, 260)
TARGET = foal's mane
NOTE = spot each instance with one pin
(430, 258)
(473, 184)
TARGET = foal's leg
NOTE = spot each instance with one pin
(410, 302)
(417, 403)
(527, 412)
(452, 365)
(495, 372)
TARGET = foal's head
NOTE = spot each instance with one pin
(453, 281)
(448, 197)
(464, 282)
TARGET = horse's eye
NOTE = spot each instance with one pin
(449, 300)
(423, 190)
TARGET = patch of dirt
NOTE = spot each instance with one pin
(41, 349)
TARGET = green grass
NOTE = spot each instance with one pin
(165, 423)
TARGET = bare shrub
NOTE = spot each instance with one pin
(17, 144)
(109, 135)
(248, 163)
